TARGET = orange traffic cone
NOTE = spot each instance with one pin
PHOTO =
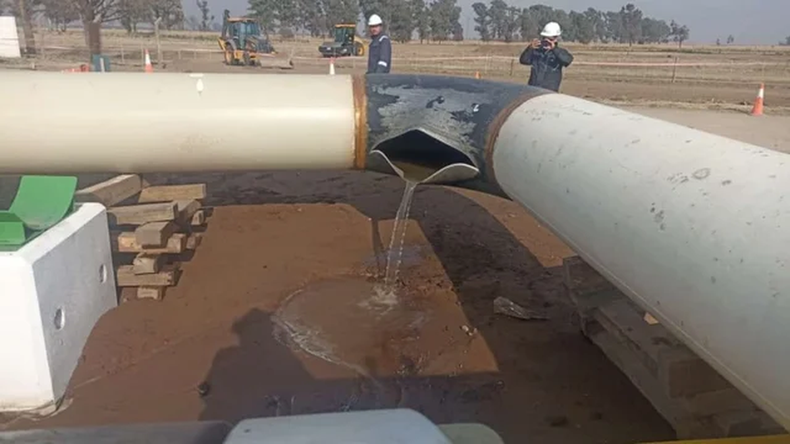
(81, 68)
(332, 66)
(759, 102)
(149, 68)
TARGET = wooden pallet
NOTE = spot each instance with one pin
(683, 388)
(152, 230)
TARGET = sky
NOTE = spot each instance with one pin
(750, 21)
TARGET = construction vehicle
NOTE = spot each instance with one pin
(346, 43)
(242, 42)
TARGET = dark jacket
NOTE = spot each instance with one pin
(546, 66)
(380, 55)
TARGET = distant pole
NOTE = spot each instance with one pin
(94, 35)
(675, 70)
(43, 42)
(157, 22)
(27, 28)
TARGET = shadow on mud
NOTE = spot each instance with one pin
(262, 378)
(548, 380)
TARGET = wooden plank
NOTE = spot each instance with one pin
(125, 277)
(156, 293)
(146, 263)
(194, 240)
(112, 191)
(172, 192)
(685, 374)
(154, 234)
(750, 423)
(580, 277)
(127, 243)
(186, 210)
(720, 401)
(633, 367)
(691, 396)
(687, 426)
(142, 214)
(198, 219)
(621, 315)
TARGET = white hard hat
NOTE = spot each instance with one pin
(374, 20)
(552, 29)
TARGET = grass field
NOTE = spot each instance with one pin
(654, 75)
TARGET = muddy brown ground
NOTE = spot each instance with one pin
(273, 234)
(318, 238)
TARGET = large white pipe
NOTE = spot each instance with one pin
(125, 122)
(694, 227)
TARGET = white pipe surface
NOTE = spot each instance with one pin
(694, 227)
(125, 122)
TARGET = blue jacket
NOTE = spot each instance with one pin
(546, 66)
(380, 55)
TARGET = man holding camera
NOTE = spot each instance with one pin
(547, 59)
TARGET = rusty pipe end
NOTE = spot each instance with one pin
(359, 88)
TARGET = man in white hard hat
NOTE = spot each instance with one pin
(380, 50)
(546, 58)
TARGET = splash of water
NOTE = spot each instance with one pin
(395, 252)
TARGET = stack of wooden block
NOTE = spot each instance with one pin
(152, 230)
(696, 401)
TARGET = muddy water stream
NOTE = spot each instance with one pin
(369, 323)
(395, 252)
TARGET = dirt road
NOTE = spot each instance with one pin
(767, 131)
(593, 87)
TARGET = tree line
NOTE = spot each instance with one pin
(436, 20)
(499, 21)
(92, 14)
(129, 13)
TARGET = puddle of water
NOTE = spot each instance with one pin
(349, 322)
(355, 323)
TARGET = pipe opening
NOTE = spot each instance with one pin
(419, 157)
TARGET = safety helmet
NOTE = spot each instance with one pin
(374, 20)
(552, 29)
